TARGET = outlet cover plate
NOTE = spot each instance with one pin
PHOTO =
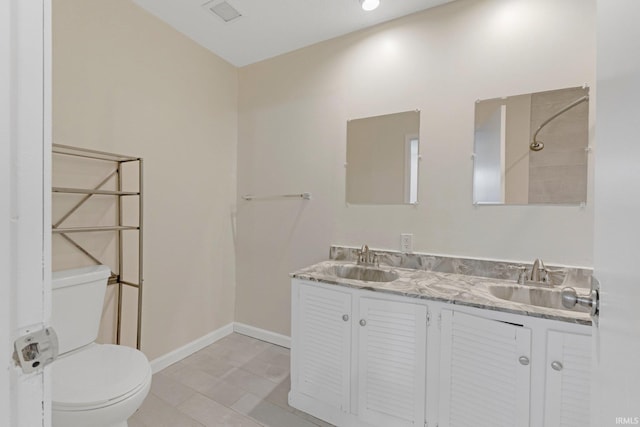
(406, 243)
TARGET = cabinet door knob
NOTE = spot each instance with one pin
(557, 365)
(345, 317)
(363, 322)
(524, 360)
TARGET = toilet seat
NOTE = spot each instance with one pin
(98, 375)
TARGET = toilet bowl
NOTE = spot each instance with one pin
(99, 386)
(94, 385)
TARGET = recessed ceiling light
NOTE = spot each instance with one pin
(224, 10)
(369, 4)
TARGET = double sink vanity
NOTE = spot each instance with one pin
(388, 339)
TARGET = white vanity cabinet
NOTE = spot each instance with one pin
(391, 362)
(499, 369)
(321, 346)
(357, 360)
(485, 372)
(361, 358)
(568, 378)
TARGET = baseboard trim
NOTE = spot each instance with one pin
(186, 350)
(262, 334)
(178, 354)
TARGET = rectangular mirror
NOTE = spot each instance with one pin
(532, 149)
(383, 154)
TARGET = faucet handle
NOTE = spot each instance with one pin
(544, 275)
(375, 260)
(522, 275)
(363, 255)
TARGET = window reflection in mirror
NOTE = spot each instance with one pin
(509, 170)
(383, 154)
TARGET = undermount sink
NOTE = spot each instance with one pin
(366, 274)
(541, 297)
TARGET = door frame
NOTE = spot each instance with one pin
(25, 182)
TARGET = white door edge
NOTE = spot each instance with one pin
(25, 131)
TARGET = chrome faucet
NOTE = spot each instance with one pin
(366, 257)
(538, 271)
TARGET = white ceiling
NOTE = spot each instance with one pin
(270, 28)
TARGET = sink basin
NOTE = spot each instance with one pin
(541, 297)
(366, 274)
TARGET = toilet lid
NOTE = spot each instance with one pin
(98, 375)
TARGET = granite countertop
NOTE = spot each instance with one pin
(450, 288)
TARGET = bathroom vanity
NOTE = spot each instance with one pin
(432, 348)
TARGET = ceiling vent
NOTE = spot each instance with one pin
(223, 10)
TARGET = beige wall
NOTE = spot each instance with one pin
(125, 82)
(292, 120)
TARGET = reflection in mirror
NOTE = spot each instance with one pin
(532, 149)
(382, 159)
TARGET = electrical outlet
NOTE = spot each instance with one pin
(406, 243)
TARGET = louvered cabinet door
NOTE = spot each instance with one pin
(324, 342)
(568, 375)
(391, 362)
(484, 372)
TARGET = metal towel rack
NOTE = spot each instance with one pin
(114, 177)
(305, 196)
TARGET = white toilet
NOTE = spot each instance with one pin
(94, 385)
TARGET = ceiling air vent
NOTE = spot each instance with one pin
(224, 10)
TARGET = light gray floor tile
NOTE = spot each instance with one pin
(312, 419)
(274, 367)
(237, 381)
(275, 352)
(203, 360)
(270, 415)
(218, 367)
(155, 412)
(172, 368)
(246, 403)
(213, 414)
(280, 394)
(194, 378)
(250, 382)
(224, 393)
(197, 359)
(237, 349)
(170, 390)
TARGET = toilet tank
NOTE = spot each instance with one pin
(77, 301)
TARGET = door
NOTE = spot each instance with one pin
(616, 390)
(568, 380)
(484, 372)
(25, 400)
(322, 347)
(392, 339)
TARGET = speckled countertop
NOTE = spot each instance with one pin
(473, 291)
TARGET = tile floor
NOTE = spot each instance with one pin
(236, 382)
